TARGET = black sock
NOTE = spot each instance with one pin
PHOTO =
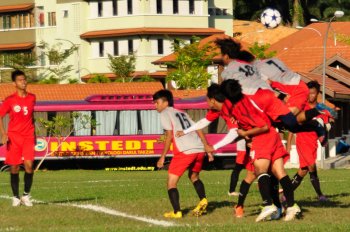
(296, 181)
(235, 176)
(174, 199)
(265, 188)
(315, 182)
(274, 191)
(288, 192)
(310, 114)
(15, 184)
(243, 191)
(199, 187)
(28, 180)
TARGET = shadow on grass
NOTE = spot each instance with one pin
(66, 201)
(212, 206)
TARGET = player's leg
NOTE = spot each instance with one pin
(275, 197)
(14, 170)
(316, 182)
(174, 197)
(243, 192)
(28, 180)
(234, 178)
(241, 159)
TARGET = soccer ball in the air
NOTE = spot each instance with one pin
(271, 18)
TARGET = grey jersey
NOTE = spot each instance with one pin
(176, 120)
(275, 70)
(247, 76)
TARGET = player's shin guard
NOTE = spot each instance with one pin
(310, 114)
(274, 191)
(174, 197)
(199, 187)
(28, 180)
(243, 191)
(288, 191)
(315, 182)
(235, 176)
(15, 184)
(265, 188)
(296, 181)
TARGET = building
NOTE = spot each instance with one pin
(146, 28)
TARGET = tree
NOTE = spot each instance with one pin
(190, 66)
(57, 58)
(122, 66)
(260, 51)
(99, 78)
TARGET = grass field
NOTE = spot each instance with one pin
(61, 194)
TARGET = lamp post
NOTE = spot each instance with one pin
(78, 55)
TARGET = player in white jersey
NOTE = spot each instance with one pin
(188, 152)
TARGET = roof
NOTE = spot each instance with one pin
(18, 7)
(208, 40)
(303, 50)
(76, 92)
(149, 31)
(251, 32)
(156, 74)
(17, 46)
(190, 93)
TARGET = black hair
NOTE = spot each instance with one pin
(229, 47)
(314, 84)
(246, 56)
(213, 91)
(16, 73)
(232, 90)
(165, 95)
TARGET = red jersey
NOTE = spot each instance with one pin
(21, 111)
(224, 113)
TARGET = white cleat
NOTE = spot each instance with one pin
(233, 194)
(16, 202)
(292, 212)
(26, 200)
(266, 212)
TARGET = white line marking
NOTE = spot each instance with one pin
(108, 211)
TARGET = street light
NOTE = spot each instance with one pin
(78, 55)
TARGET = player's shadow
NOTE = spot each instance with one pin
(331, 203)
(212, 206)
(66, 201)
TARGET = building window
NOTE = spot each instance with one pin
(191, 6)
(115, 48)
(129, 6)
(99, 8)
(115, 7)
(65, 14)
(160, 46)
(130, 46)
(159, 7)
(175, 6)
(52, 18)
(101, 47)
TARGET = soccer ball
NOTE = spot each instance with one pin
(271, 18)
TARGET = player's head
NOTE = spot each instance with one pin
(215, 98)
(19, 79)
(246, 56)
(162, 99)
(232, 90)
(229, 49)
(314, 90)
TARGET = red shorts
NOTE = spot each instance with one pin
(244, 159)
(268, 146)
(181, 162)
(306, 148)
(19, 148)
(298, 94)
(269, 103)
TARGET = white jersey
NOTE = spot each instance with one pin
(275, 70)
(176, 120)
(247, 76)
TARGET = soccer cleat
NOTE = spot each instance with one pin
(16, 201)
(292, 212)
(171, 214)
(326, 110)
(239, 211)
(233, 194)
(201, 208)
(277, 215)
(323, 198)
(266, 212)
(25, 200)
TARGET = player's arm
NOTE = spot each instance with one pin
(167, 143)
(2, 131)
(195, 127)
(229, 138)
(254, 131)
(205, 143)
(289, 142)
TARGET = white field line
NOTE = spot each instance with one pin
(101, 209)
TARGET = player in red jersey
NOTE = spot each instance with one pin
(267, 151)
(19, 138)
(306, 143)
(188, 152)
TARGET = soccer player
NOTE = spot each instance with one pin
(188, 152)
(19, 138)
(267, 151)
(306, 143)
(239, 67)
